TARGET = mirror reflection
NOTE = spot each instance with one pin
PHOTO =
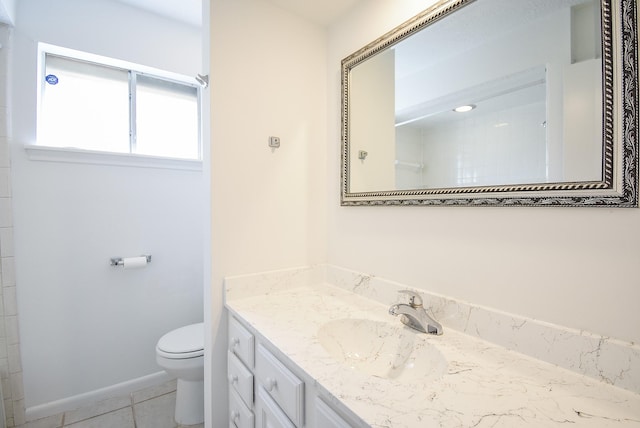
(494, 94)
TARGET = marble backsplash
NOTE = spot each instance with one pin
(605, 359)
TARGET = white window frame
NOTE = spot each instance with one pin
(43, 152)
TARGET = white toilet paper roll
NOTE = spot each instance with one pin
(134, 262)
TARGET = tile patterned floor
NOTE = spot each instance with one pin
(149, 408)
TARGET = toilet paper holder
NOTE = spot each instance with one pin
(119, 261)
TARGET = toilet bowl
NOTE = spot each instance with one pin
(181, 354)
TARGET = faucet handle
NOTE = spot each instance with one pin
(415, 301)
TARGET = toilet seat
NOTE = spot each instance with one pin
(184, 342)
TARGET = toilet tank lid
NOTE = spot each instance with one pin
(184, 339)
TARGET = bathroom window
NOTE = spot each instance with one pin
(99, 104)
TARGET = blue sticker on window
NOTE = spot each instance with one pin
(51, 79)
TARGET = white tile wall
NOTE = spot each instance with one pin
(4, 114)
(6, 242)
(5, 183)
(496, 148)
(4, 151)
(6, 217)
(10, 359)
(8, 272)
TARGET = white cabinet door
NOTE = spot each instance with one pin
(239, 415)
(326, 417)
(268, 414)
(281, 384)
(241, 342)
(240, 379)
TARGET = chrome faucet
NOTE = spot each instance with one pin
(414, 315)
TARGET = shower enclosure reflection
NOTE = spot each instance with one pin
(548, 95)
(531, 76)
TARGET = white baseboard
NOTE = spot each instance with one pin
(92, 397)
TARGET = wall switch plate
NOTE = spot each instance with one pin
(274, 142)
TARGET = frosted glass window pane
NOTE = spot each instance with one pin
(87, 108)
(166, 119)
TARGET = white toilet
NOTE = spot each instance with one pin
(181, 354)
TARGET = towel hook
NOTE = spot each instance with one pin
(203, 80)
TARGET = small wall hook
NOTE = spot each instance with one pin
(203, 80)
(119, 261)
(274, 142)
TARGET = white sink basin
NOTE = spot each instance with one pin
(382, 349)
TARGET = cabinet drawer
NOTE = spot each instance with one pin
(326, 417)
(268, 413)
(283, 386)
(239, 414)
(240, 379)
(241, 342)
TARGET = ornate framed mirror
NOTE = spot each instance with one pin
(496, 103)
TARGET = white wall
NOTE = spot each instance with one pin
(208, 291)
(409, 153)
(83, 324)
(582, 130)
(268, 206)
(576, 267)
(372, 124)
(275, 209)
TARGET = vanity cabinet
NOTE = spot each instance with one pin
(240, 378)
(241, 342)
(326, 417)
(269, 414)
(240, 360)
(267, 389)
(240, 415)
(282, 385)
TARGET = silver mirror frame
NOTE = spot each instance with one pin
(619, 184)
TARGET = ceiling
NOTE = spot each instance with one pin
(321, 12)
(186, 11)
(189, 11)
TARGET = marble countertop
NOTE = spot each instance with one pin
(484, 386)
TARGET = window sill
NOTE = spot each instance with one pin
(71, 155)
